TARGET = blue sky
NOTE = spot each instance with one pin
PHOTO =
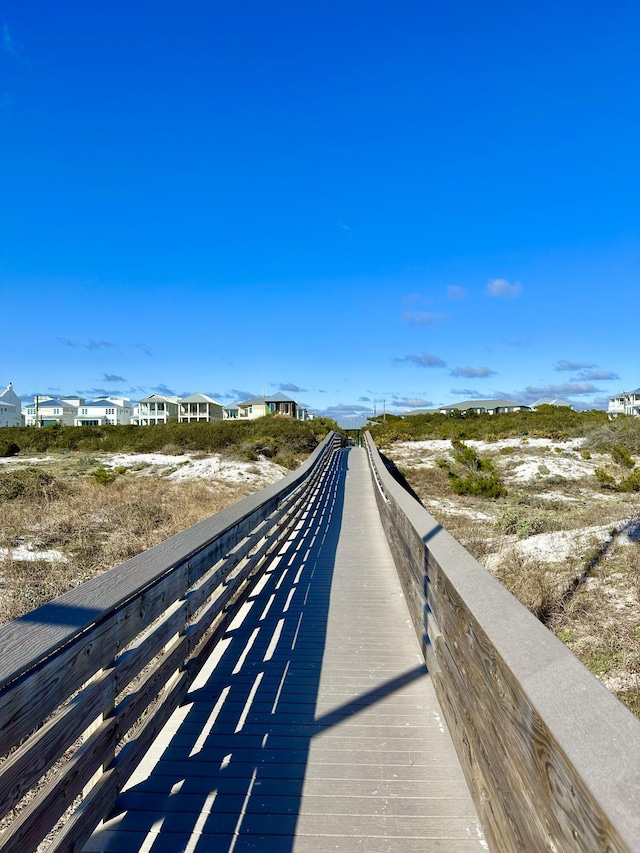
(350, 202)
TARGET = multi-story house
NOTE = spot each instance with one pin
(157, 409)
(199, 408)
(625, 403)
(104, 410)
(49, 410)
(10, 407)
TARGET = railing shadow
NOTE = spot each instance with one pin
(231, 773)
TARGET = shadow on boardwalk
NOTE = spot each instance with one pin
(231, 775)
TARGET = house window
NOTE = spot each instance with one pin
(56, 411)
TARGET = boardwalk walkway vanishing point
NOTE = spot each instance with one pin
(314, 727)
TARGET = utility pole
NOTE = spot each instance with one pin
(384, 411)
(37, 418)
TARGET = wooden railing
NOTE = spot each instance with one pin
(551, 757)
(88, 680)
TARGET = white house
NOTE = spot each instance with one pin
(625, 403)
(10, 407)
(49, 410)
(231, 412)
(104, 410)
(157, 409)
(199, 408)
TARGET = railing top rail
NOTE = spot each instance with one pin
(56, 623)
(597, 734)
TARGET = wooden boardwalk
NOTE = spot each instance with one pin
(315, 726)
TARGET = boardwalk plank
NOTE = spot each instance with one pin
(318, 728)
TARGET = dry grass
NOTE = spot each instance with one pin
(94, 527)
(590, 600)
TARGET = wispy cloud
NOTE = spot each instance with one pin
(93, 345)
(502, 288)
(240, 394)
(345, 229)
(473, 372)
(467, 393)
(412, 403)
(67, 342)
(424, 318)
(164, 389)
(564, 389)
(596, 375)
(10, 45)
(289, 386)
(565, 364)
(364, 399)
(112, 377)
(421, 359)
(345, 410)
(456, 293)
(144, 349)
(512, 343)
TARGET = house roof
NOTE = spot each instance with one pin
(551, 401)
(625, 393)
(254, 401)
(273, 398)
(100, 404)
(199, 398)
(278, 398)
(50, 403)
(483, 404)
(159, 398)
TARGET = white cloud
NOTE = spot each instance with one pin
(424, 318)
(412, 403)
(456, 293)
(502, 288)
(597, 375)
(473, 372)
(421, 359)
(565, 364)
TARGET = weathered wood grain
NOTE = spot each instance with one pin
(550, 755)
(55, 651)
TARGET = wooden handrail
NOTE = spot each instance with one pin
(123, 646)
(552, 758)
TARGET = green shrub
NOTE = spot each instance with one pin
(103, 477)
(30, 483)
(8, 448)
(630, 483)
(605, 479)
(621, 456)
(519, 522)
(585, 454)
(487, 486)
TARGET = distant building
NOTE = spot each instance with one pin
(104, 410)
(485, 407)
(258, 407)
(199, 408)
(625, 403)
(231, 412)
(45, 411)
(157, 409)
(551, 401)
(10, 407)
